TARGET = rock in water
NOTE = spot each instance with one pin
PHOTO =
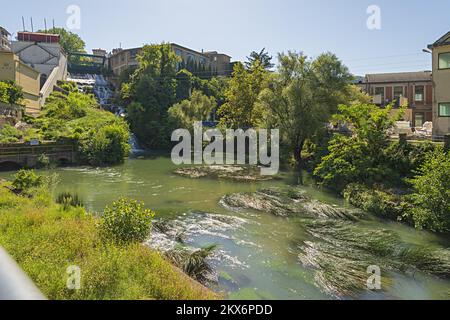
(230, 172)
(286, 202)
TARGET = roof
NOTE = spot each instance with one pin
(215, 53)
(442, 41)
(399, 77)
(187, 49)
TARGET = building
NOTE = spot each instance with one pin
(42, 52)
(5, 44)
(11, 68)
(441, 81)
(123, 59)
(101, 54)
(196, 62)
(412, 88)
(220, 63)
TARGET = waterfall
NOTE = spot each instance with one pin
(134, 144)
(102, 90)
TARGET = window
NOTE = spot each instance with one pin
(380, 92)
(444, 61)
(444, 109)
(398, 92)
(419, 94)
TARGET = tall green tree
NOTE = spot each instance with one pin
(153, 91)
(431, 196)
(71, 42)
(361, 157)
(197, 108)
(239, 110)
(262, 57)
(302, 97)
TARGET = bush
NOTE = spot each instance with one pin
(109, 146)
(126, 222)
(10, 92)
(431, 196)
(25, 180)
(43, 161)
(378, 202)
(9, 134)
(67, 200)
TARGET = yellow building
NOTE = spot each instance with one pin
(441, 80)
(11, 68)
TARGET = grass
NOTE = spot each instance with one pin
(45, 240)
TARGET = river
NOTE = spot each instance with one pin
(258, 254)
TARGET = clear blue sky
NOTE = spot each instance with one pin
(237, 27)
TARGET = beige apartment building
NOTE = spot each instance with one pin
(11, 68)
(123, 59)
(441, 82)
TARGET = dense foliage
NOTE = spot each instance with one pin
(360, 157)
(239, 111)
(127, 221)
(159, 83)
(197, 108)
(302, 97)
(10, 92)
(153, 92)
(102, 138)
(431, 193)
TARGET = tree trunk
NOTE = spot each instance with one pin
(299, 161)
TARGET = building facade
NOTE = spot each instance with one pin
(12, 69)
(5, 44)
(441, 81)
(197, 62)
(415, 89)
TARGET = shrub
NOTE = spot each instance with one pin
(25, 180)
(193, 263)
(431, 196)
(126, 222)
(378, 202)
(9, 134)
(10, 92)
(43, 161)
(110, 145)
(67, 200)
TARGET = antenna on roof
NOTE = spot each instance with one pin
(45, 24)
(23, 23)
(32, 27)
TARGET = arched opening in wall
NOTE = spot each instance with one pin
(63, 162)
(9, 166)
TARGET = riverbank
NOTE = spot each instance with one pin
(46, 239)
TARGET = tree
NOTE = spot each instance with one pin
(197, 108)
(360, 158)
(302, 96)
(262, 58)
(239, 110)
(431, 196)
(71, 42)
(152, 92)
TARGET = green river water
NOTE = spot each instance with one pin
(257, 257)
